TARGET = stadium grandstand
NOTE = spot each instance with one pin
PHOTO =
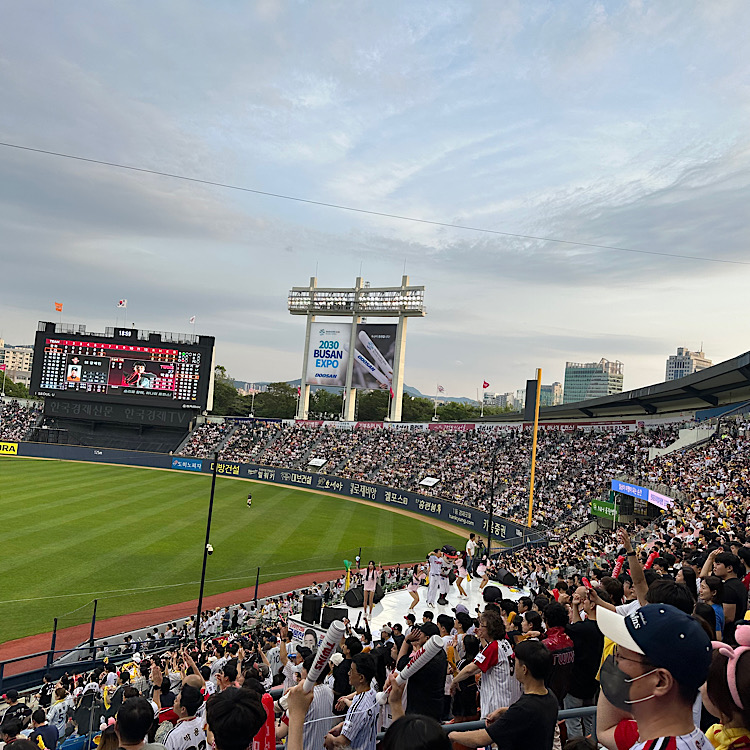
(551, 604)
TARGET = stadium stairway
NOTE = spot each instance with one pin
(691, 436)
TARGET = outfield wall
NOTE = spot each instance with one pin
(469, 518)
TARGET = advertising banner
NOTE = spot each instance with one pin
(633, 490)
(9, 449)
(328, 354)
(659, 500)
(374, 352)
(604, 509)
(187, 464)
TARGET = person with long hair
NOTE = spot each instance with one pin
(482, 571)
(417, 576)
(687, 576)
(370, 578)
(711, 591)
(726, 693)
(461, 573)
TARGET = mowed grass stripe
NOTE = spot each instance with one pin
(72, 528)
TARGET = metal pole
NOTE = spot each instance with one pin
(257, 579)
(51, 654)
(93, 625)
(492, 507)
(303, 402)
(399, 359)
(351, 393)
(533, 445)
(205, 547)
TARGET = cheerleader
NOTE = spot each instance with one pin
(482, 571)
(461, 574)
(417, 576)
(371, 576)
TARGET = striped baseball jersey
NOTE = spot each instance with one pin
(626, 738)
(319, 718)
(498, 686)
(360, 724)
(187, 735)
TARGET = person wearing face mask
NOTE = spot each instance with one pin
(651, 679)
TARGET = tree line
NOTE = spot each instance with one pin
(279, 400)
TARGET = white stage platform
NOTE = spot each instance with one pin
(395, 605)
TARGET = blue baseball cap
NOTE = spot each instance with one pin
(666, 636)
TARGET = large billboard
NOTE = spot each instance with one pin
(328, 355)
(126, 367)
(374, 352)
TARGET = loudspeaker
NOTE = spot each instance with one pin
(506, 578)
(311, 606)
(332, 613)
(492, 594)
(355, 597)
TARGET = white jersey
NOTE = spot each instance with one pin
(319, 719)
(187, 735)
(361, 722)
(434, 566)
(498, 686)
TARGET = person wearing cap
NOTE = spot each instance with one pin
(386, 635)
(290, 668)
(16, 709)
(651, 679)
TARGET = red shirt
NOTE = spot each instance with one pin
(266, 737)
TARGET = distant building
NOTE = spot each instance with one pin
(685, 363)
(17, 361)
(592, 380)
(551, 395)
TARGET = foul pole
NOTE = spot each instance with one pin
(533, 444)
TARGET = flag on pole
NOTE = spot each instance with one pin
(485, 384)
(2, 368)
(393, 395)
(58, 306)
(192, 319)
(441, 389)
(299, 390)
(122, 303)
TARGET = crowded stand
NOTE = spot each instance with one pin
(573, 465)
(204, 439)
(641, 632)
(16, 420)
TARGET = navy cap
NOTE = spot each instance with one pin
(666, 636)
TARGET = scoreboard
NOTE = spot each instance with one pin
(127, 366)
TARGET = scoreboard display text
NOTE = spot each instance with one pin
(113, 370)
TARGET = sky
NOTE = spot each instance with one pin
(609, 123)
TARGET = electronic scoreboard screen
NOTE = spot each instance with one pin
(123, 368)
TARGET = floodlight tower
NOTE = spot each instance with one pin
(400, 302)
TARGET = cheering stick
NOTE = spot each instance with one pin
(380, 360)
(367, 366)
(325, 650)
(417, 661)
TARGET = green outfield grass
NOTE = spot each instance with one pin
(133, 538)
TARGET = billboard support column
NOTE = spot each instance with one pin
(351, 394)
(398, 365)
(303, 402)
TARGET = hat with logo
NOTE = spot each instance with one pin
(666, 636)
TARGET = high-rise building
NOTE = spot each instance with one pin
(17, 361)
(685, 363)
(551, 395)
(592, 380)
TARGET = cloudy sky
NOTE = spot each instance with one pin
(612, 123)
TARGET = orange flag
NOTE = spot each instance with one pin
(58, 306)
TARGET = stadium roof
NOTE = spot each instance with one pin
(721, 385)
